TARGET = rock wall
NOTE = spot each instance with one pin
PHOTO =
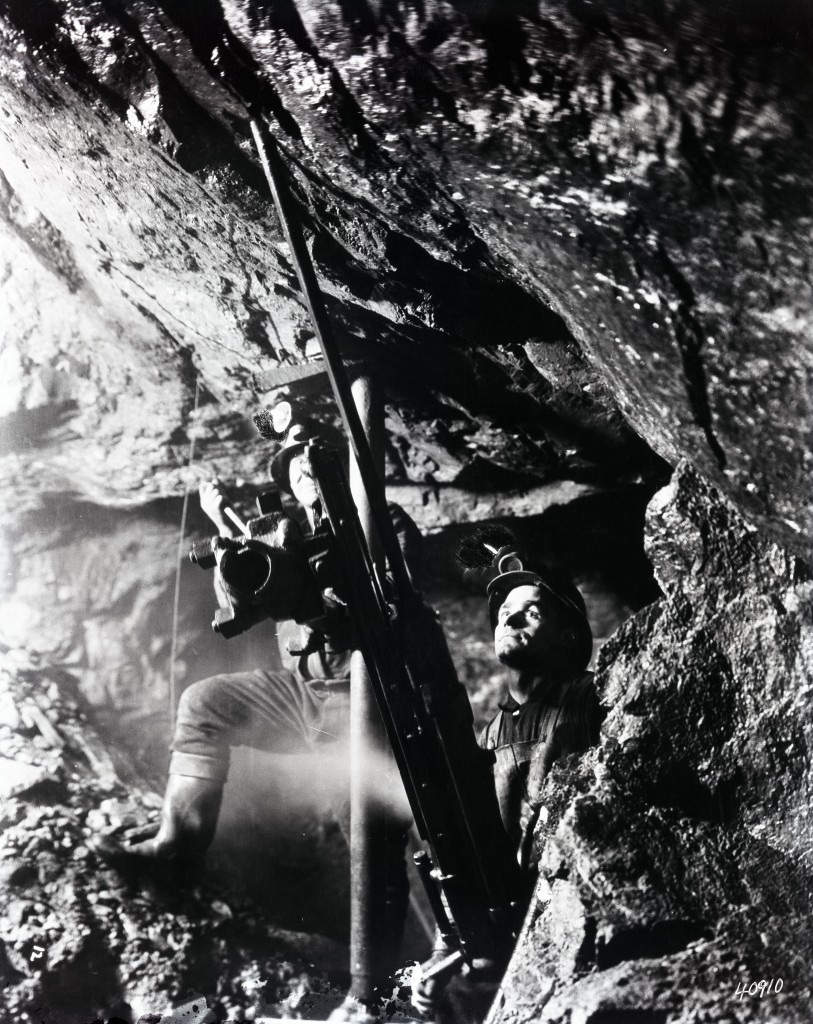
(81, 943)
(676, 867)
(135, 215)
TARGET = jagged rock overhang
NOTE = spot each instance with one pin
(155, 283)
(566, 197)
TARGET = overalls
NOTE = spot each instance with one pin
(290, 711)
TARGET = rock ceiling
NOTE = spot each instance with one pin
(574, 236)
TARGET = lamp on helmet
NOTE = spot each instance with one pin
(296, 442)
(284, 423)
(493, 557)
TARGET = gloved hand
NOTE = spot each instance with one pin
(426, 992)
(468, 981)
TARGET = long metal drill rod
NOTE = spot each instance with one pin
(275, 173)
(367, 880)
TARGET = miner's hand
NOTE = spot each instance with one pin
(425, 996)
(213, 501)
(483, 975)
(427, 991)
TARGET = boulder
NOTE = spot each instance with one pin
(675, 859)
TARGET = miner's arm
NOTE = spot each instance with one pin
(213, 501)
(410, 540)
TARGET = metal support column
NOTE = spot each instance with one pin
(367, 896)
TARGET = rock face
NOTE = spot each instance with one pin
(136, 216)
(676, 867)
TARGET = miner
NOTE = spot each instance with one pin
(543, 638)
(294, 710)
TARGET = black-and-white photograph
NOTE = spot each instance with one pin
(406, 531)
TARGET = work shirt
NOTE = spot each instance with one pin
(526, 740)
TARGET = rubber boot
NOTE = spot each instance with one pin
(188, 822)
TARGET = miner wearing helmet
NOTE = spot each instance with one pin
(295, 709)
(543, 638)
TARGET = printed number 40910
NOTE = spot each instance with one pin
(760, 988)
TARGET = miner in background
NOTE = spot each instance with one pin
(551, 709)
(294, 710)
(542, 635)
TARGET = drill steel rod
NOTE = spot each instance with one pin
(275, 172)
(367, 893)
(238, 522)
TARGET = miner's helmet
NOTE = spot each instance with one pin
(493, 557)
(284, 423)
(296, 441)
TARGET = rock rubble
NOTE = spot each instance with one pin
(77, 942)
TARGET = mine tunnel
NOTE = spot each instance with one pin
(571, 243)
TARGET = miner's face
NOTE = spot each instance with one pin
(301, 480)
(530, 630)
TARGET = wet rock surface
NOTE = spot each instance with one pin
(169, 246)
(676, 859)
(579, 220)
